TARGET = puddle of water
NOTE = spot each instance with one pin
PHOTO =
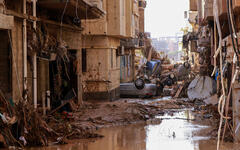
(149, 101)
(175, 132)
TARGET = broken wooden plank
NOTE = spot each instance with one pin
(59, 107)
(179, 91)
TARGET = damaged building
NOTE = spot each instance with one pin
(41, 49)
(73, 49)
(214, 45)
(109, 47)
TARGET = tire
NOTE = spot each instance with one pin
(186, 65)
(168, 82)
(171, 76)
(139, 84)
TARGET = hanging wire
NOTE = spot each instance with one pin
(65, 7)
(77, 9)
(76, 18)
(234, 26)
(232, 29)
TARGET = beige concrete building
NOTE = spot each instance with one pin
(128, 67)
(105, 43)
(41, 48)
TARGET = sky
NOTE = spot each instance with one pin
(165, 17)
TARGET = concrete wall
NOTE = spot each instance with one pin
(127, 73)
(117, 22)
(116, 17)
(141, 20)
(102, 77)
(17, 51)
(129, 17)
(101, 40)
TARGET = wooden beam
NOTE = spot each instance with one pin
(59, 24)
(32, 18)
(6, 22)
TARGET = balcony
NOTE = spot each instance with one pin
(86, 9)
(130, 43)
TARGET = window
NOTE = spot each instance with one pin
(140, 4)
(111, 58)
(84, 60)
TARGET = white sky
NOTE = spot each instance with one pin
(165, 17)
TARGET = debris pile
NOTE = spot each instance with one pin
(115, 113)
(22, 126)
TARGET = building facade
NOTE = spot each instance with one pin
(41, 49)
(216, 40)
(108, 45)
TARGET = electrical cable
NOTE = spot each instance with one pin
(234, 26)
(223, 97)
(64, 10)
(230, 25)
(76, 18)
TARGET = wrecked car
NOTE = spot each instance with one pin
(154, 78)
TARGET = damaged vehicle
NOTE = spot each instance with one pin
(153, 78)
(138, 89)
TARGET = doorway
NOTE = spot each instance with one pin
(5, 63)
(63, 79)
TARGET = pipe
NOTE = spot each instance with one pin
(48, 100)
(44, 103)
(24, 52)
(34, 82)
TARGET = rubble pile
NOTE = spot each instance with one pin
(115, 113)
(22, 126)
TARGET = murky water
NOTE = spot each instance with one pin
(176, 132)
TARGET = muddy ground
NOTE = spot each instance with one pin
(95, 115)
(84, 122)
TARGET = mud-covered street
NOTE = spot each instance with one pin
(144, 124)
(120, 74)
(148, 124)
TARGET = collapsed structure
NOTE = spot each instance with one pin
(213, 47)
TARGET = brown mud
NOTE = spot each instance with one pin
(91, 117)
(179, 130)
